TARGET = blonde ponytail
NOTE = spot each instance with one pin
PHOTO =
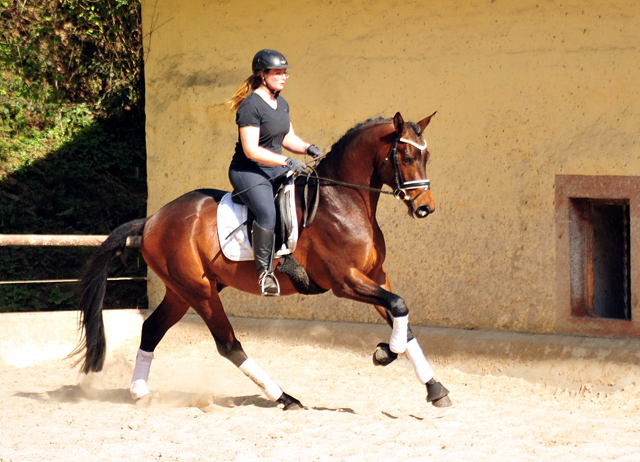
(244, 90)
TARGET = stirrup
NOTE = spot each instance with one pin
(268, 282)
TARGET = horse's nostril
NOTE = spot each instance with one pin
(422, 211)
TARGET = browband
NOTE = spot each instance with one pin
(413, 143)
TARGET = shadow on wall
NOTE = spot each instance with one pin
(90, 185)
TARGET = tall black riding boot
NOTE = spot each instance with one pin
(263, 249)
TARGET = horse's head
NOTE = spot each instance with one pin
(410, 155)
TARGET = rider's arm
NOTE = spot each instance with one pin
(250, 137)
(293, 143)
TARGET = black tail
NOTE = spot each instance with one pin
(93, 286)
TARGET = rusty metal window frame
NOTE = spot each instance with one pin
(576, 196)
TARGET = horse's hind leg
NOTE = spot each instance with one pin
(165, 316)
(229, 347)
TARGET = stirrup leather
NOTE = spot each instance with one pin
(268, 281)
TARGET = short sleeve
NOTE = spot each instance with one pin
(247, 114)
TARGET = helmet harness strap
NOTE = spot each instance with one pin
(264, 82)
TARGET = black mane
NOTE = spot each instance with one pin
(340, 144)
(349, 135)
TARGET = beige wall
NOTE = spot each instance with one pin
(524, 90)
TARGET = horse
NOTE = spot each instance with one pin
(343, 250)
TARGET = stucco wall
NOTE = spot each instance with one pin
(524, 90)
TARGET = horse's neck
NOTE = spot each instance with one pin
(357, 166)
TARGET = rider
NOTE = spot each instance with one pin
(264, 128)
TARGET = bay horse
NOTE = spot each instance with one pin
(342, 251)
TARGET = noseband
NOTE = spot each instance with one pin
(400, 191)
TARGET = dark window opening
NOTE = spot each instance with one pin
(600, 254)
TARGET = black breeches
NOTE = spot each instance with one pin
(256, 190)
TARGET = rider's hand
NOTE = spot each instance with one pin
(314, 151)
(295, 165)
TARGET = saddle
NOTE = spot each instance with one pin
(235, 221)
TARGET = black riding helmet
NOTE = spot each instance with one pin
(268, 59)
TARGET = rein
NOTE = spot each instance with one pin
(351, 185)
(309, 216)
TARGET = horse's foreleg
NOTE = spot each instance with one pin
(401, 337)
(360, 287)
(230, 348)
(383, 356)
(400, 330)
(166, 315)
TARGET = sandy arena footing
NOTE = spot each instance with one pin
(516, 396)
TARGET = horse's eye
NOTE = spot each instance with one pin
(407, 160)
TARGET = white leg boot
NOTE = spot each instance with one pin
(423, 371)
(398, 341)
(140, 377)
(262, 379)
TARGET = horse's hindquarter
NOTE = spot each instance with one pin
(181, 245)
(182, 235)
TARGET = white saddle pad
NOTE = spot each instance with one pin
(236, 247)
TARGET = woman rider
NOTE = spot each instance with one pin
(264, 128)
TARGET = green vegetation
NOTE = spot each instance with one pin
(72, 149)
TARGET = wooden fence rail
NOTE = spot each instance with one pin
(61, 240)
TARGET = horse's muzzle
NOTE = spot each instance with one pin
(422, 211)
(420, 205)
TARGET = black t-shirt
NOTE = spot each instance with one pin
(274, 124)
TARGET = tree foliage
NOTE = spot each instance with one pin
(87, 51)
(72, 143)
(64, 64)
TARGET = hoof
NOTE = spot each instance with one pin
(290, 403)
(442, 402)
(437, 394)
(383, 356)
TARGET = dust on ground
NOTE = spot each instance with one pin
(203, 409)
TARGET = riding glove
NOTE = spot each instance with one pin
(314, 151)
(295, 165)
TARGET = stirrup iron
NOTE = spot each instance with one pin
(268, 282)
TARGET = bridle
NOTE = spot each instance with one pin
(399, 192)
(402, 186)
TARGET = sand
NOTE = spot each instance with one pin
(203, 409)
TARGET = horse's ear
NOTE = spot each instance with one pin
(398, 123)
(424, 122)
